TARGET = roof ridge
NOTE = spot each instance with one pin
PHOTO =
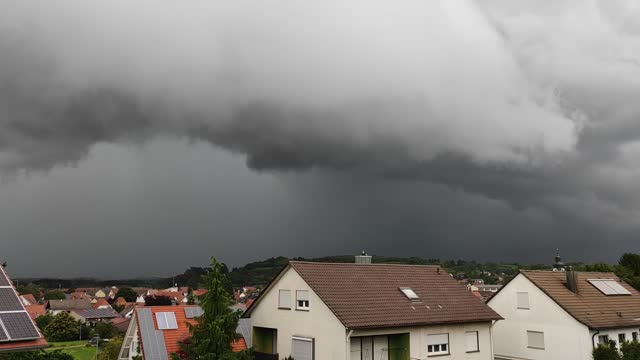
(354, 264)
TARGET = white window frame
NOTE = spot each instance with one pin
(476, 336)
(529, 338)
(436, 349)
(302, 304)
(520, 304)
(284, 294)
(603, 339)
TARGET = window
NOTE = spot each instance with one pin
(523, 300)
(302, 348)
(609, 287)
(166, 320)
(471, 341)
(603, 339)
(302, 300)
(410, 294)
(634, 336)
(622, 338)
(284, 301)
(535, 339)
(438, 344)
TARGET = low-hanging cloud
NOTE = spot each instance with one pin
(532, 102)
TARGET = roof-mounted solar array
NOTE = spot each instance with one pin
(410, 294)
(193, 312)
(15, 323)
(4, 281)
(609, 287)
(166, 320)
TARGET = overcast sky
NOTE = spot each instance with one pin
(140, 138)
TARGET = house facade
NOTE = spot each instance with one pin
(369, 311)
(563, 315)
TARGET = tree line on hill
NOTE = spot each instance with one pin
(259, 273)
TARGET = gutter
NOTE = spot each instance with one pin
(348, 343)
(593, 338)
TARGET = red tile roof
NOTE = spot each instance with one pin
(121, 301)
(29, 298)
(101, 302)
(590, 306)
(173, 337)
(35, 310)
(369, 296)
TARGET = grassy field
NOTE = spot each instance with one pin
(77, 349)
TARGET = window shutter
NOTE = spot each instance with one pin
(437, 339)
(285, 299)
(471, 341)
(535, 339)
(302, 295)
(302, 348)
(523, 300)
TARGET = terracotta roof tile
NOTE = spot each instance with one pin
(589, 305)
(35, 310)
(369, 295)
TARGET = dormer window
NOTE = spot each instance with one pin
(410, 294)
(302, 300)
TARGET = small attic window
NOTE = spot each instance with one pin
(609, 287)
(410, 294)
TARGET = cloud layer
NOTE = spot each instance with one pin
(529, 102)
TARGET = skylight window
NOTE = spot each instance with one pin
(166, 320)
(609, 287)
(410, 294)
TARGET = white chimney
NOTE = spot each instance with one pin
(363, 258)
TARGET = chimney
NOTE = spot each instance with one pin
(572, 281)
(363, 258)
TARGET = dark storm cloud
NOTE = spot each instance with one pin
(527, 102)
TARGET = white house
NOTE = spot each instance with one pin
(330, 311)
(562, 315)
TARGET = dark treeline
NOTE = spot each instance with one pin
(260, 272)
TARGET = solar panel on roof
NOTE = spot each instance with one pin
(3, 336)
(19, 326)
(193, 312)
(3, 279)
(9, 301)
(609, 287)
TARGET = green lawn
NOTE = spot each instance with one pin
(77, 349)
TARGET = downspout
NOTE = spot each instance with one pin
(348, 347)
(491, 336)
(593, 338)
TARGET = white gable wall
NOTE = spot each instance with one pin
(318, 323)
(564, 336)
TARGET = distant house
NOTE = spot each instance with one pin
(488, 288)
(35, 310)
(101, 293)
(338, 311)
(56, 306)
(127, 312)
(93, 316)
(78, 295)
(121, 301)
(18, 332)
(155, 332)
(101, 303)
(563, 315)
(122, 324)
(28, 299)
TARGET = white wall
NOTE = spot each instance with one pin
(318, 323)
(613, 334)
(418, 340)
(564, 336)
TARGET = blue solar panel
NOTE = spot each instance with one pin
(19, 326)
(9, 300)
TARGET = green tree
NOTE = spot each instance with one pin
(43, 321)
(605, 352)
(62, 328)
(54, 295)
(631, 261)
(215, 330)
(110, 350)
(127, 293)
(105, 330)
(631, 350)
